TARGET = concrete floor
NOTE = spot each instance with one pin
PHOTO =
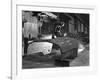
(36, 61)
(47, 61)
(82, 59)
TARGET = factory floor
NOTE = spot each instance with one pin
(48, 61)
(81, 60)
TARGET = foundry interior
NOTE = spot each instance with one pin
(54, 39)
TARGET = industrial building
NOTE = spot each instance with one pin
(54, 39)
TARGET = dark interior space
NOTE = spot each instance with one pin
(52, 39)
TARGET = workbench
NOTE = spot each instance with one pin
(68, 46)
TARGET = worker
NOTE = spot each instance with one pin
(30, 31)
